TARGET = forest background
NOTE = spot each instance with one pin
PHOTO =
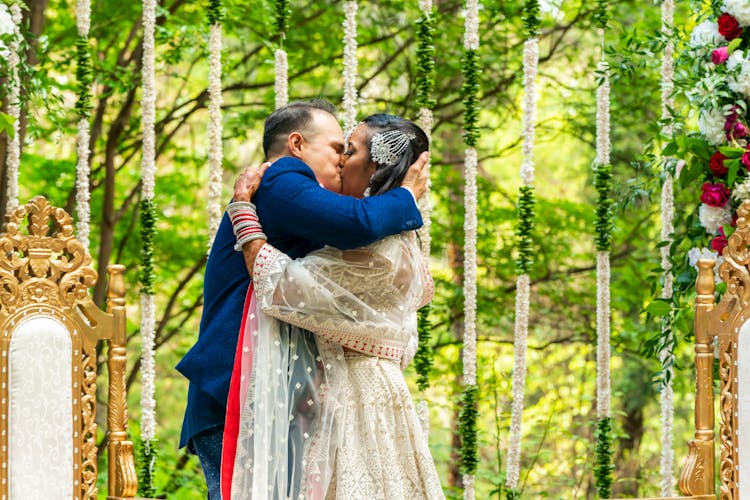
(558, 447)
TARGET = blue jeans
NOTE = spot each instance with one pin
(207, 446)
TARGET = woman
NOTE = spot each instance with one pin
(340, 424)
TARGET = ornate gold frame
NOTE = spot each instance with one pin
(50, 274)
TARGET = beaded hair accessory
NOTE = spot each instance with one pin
(387, 147)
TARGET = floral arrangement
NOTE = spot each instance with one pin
(718, 157)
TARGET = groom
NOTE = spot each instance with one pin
(301, 212)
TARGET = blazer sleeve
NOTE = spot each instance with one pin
(293, 200)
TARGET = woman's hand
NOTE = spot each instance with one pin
(247, 183)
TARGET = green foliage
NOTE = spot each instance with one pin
(524, 228)
(84, 76)
(145, 462)
(531, 18)
(467, 428)
(282, 16)
(512, 494)
(470, 91)
(604, 467)
(425, 62)
(601, 15)
(148, 219)
(423, 357)
(216, 12)
(604, 203)
(6, 124)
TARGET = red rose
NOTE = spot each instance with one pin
(715, 195)
(729, 27)
(716, 164)
(719, 242)
(734, 221)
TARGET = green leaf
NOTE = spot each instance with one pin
(659, 307)
(6, 124)
(734, 167)
(733, 45)
(731, 152)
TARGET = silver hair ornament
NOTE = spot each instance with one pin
(387, 147)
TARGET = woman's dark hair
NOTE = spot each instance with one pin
(387, 177)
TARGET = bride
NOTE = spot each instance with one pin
(339, 423)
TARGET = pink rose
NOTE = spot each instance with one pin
(746, 159)
(720, 55)
(739, 130)
(719, 242)
(729, 27)
(715, 195)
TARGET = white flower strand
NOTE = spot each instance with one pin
(521, 327)
(666, 399)
(350, 67)
(471, 26)
(470, 268)
(215, 153)
(148, 366)
(425, 6)
(281, 82)
(148, 168)
(602, 335)
(423, 412)
(519, 379)
(14, 109)
(602, 115)
(425, 121)
(530, 63)
(468, 481)
(83, 137)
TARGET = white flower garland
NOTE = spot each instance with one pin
(215, 153)
(281, 82)
(602, 335)
(521, 326)
(519, 379)
(350, 67)
(667, 228)
(83, 169)
(470, 268)
(148, 168)
(14, 109)
(425, 121)
(471, 42)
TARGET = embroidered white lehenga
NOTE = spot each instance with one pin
(339, 424)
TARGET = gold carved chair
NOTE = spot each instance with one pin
(49, 329)
(728, 322)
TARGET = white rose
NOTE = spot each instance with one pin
(706, 33)
(712, 218)
(711, 124)
(741, 191)
(6, 21)
(740, 81)
(739, 9)
(695, 254)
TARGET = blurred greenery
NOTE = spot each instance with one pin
(559, 420)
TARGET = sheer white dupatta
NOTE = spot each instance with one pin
(364, 300)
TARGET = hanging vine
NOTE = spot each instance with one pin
(84, 80)
(603, 228)
(13, 155)
(148, 217)
(281, 64)
(524, 230)
(350, 66)
(215, 16)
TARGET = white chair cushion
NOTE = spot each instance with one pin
(41, 419)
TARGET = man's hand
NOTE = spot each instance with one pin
(247, 183)
(417, 175)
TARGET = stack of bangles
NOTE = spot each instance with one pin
(244, 223)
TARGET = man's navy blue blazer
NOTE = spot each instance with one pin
(298, 216)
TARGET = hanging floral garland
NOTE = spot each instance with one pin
(84, 76)
(667, 228)
(524, 230)
(468, 413)
(603, 226)
(146, 274)
(215, 152)
(425, 86)
(14, 109)
(350, 66)
(281, 66)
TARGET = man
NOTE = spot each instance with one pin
(300, 213)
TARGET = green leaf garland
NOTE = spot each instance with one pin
(215, 11)
(469, 91)
(425, 62)
(146, 274)
(423, 357)
(282, 16)
(531, 18)
(601, 15)
(524, 229)
(467, 426)
(603, 468)
(146, 460)
(85, 77)
(603, 224)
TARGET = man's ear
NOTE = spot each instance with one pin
(295, 142)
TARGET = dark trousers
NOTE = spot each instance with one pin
(207, 446)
